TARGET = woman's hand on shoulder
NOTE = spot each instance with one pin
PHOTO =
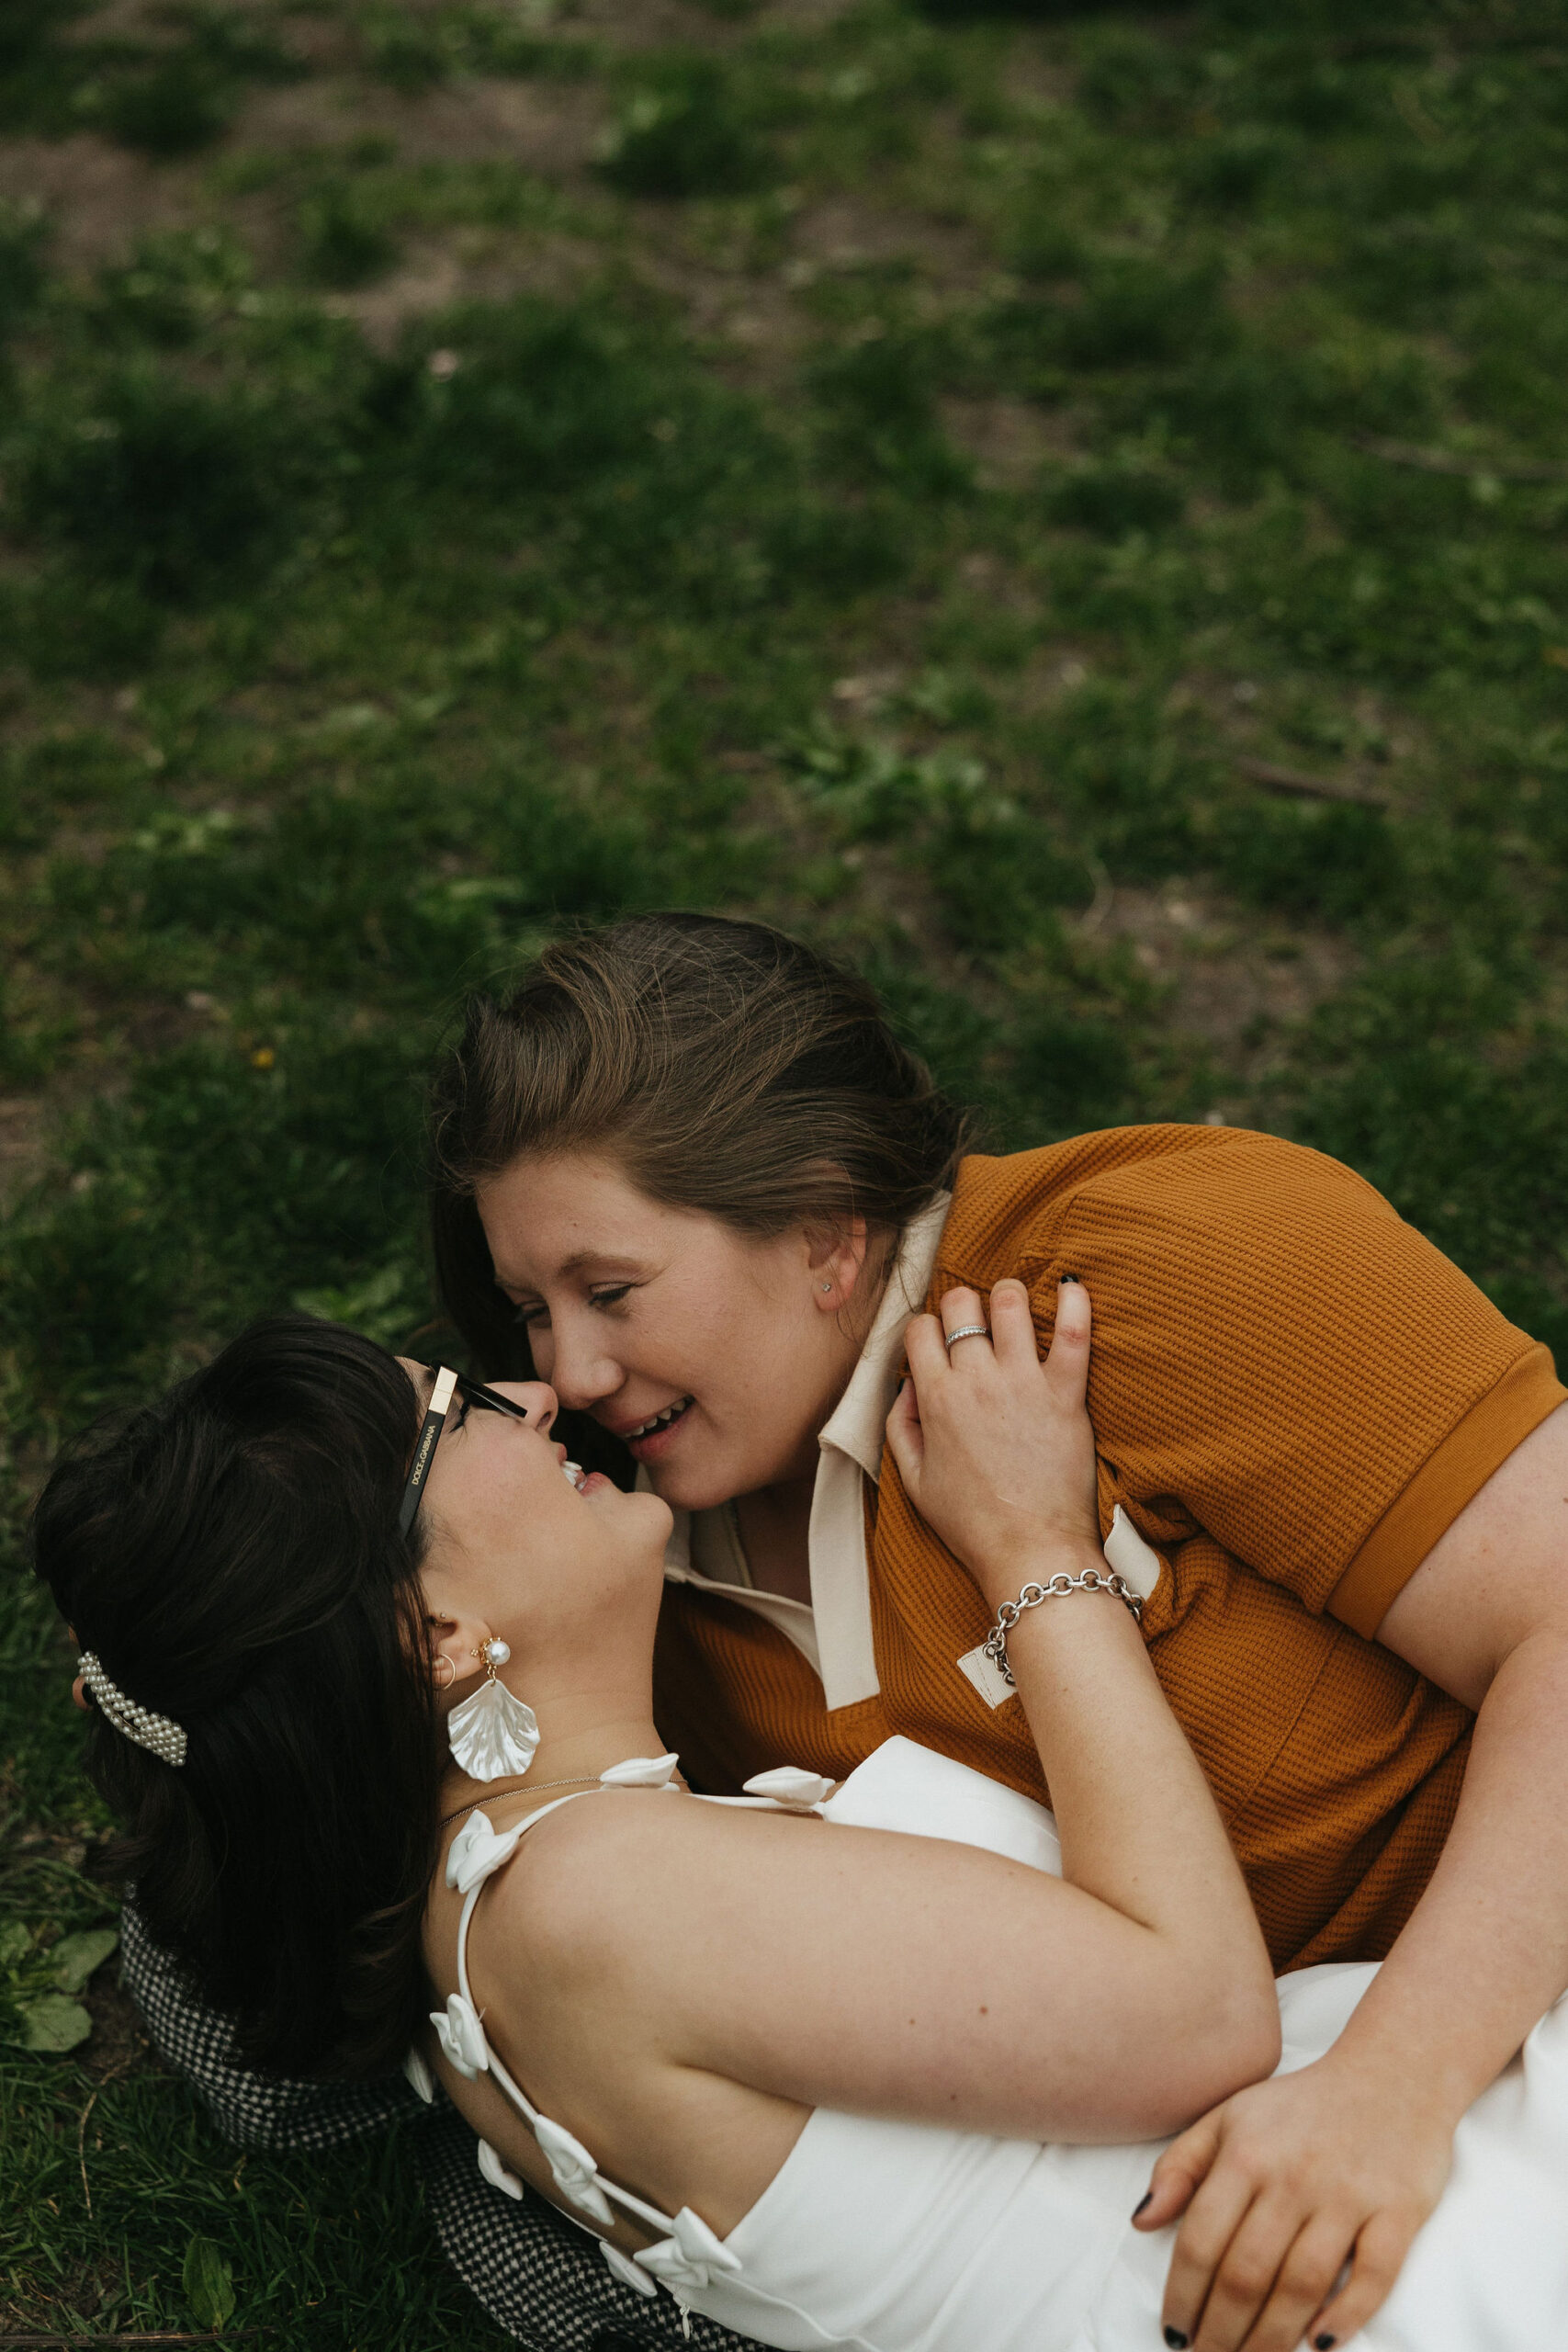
(995, 1447)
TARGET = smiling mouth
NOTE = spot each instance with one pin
(662, 1420)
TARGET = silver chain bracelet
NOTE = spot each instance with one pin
(1008, 1615)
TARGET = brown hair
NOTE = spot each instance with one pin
(725, 1067)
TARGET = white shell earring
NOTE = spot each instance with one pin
(493, 1736)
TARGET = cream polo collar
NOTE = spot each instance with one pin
(834, 1634)
(859, 1419)
(851, 1447)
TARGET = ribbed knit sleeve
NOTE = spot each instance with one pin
(1278, 1359)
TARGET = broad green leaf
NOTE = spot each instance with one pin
(209, 2285)
(52, 2022)
(16, 1942)
(74, 1958)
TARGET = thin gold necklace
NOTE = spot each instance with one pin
(535, 1789)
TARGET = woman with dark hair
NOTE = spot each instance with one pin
(687, 1173)
(372, 1665)
(226, 1554)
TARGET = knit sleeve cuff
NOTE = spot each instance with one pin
(1446, 1481)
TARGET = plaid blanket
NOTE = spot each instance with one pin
(538, 2277)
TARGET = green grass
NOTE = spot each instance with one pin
(886, 476)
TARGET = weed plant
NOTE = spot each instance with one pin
(1065, 509)
(173, 89)
(683, 129)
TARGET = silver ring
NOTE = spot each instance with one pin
(968, 1331)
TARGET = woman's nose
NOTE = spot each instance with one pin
(538, 1398)
(582, 1375)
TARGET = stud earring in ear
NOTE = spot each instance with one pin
(827, 1285)
(493, 1736)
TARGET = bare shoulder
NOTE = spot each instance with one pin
(656, 1936)
(623, 1879)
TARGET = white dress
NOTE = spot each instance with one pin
(903, 2237)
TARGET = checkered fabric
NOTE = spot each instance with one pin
(537, 2276)
(258, 2110)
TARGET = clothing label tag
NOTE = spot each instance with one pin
(987, 1677)
(1135, 1562)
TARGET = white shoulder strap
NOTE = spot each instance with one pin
(690, 2253)
(477, 1852)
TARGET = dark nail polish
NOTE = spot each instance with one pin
(1146, 2199)
(1176, 2340)
(1069, 1278)
(1323, 2343)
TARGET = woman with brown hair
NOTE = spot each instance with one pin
(687, 1173)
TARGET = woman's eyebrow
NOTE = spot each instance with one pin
(579, 1263)
(522, 1293)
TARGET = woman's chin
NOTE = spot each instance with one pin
(658, 1512)
(684, 1486)
(629, 1507)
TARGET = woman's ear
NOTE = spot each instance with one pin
(79, 1688)
(838, 1264)
(456, 1643)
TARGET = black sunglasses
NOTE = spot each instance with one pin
(447, 1384)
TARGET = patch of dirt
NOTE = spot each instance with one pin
(158, 1028)
(1036, 79)
(119, 2045)
(1237, 979)
(1008, 440)
(652, 24)
(752, 314)
(765, 314)
(843, 233)
(120, 20)
(1255, 721)
(24, 1146)
(437, 272)
(547, 127)
(99, 197)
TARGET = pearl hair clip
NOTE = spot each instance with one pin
(157, 1734)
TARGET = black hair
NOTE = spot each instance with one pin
(231, 1555)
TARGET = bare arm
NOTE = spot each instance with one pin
(1351, 2155)
(1486, 1951)
(925, 1980)
(1000, 1463)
